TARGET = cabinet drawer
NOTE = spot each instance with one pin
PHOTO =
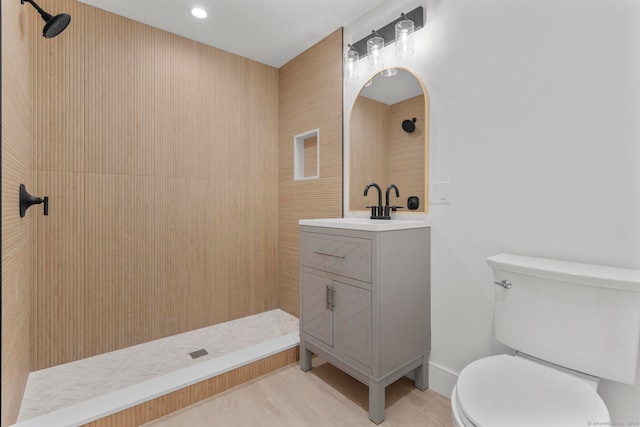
(345, 256)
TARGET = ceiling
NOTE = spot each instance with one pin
(268, 31)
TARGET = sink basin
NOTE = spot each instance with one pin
(365, 224)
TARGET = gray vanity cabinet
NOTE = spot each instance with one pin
(365, 304)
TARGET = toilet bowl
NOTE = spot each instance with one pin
(561, 318)
(507, 391)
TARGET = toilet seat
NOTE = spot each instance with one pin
(510, 390)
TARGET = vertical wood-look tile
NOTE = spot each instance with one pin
(368, 145)
(58, 95)
(406, 152)
(58, 263)
(176, 146)
(310, 97)
(17, 152)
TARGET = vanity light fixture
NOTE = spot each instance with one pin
(375, 46)
(199, 12)
(351, 58)
(400, 30)
(404, 37)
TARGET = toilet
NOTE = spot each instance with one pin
(570, 325)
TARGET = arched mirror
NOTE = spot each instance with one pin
(388, 140)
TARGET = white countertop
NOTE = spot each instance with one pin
(365, 224)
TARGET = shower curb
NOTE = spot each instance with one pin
(152, 399)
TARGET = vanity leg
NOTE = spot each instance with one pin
(421, 374)
(376, 401)
(305, 357)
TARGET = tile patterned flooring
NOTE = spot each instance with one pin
(324, 396)
(71, 383)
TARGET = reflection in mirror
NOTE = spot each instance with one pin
(388, 140)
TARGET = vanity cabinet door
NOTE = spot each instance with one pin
(317, 319)
(352, 322)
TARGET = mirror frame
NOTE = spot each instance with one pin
(351, 92)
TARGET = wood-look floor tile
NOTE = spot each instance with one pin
(435, 414)
(325, 396)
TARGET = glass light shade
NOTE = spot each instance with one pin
(404, 38)
(375, 47)
(389, 72)
(351, 65)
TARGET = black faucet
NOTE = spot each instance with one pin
(386, 214)
(376, 211)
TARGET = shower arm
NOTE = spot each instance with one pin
(42, 13)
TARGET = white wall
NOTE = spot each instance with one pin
(535, 120)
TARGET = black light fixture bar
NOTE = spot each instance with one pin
(388, 32)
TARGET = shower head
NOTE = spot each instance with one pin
(54, 24)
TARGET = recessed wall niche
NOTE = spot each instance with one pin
(306, 155)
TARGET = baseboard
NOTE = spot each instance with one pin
(441, 379)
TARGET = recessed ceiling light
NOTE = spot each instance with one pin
(198, 12)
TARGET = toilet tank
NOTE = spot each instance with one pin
(580, 316)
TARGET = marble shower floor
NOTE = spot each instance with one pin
(65, 385)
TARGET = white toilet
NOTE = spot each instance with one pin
(570, 324)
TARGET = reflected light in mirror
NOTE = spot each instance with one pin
(389, 72)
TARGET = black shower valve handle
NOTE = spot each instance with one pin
(27, 200)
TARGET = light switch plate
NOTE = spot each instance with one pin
(440, 193)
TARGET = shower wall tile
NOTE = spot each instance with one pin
(57, 322)
(369, 132)
(169, 222)
(310, 97)
(407, 165)
(58, 96)
(168, 106)
(17, 151)
(120, 259)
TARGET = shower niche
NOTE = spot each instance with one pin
(306, 155)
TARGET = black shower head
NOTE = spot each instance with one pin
(54, 24)
(409, 125)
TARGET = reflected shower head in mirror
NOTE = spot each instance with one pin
(54, 24)
(409, 125)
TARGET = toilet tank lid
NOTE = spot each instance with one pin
(565, 271)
